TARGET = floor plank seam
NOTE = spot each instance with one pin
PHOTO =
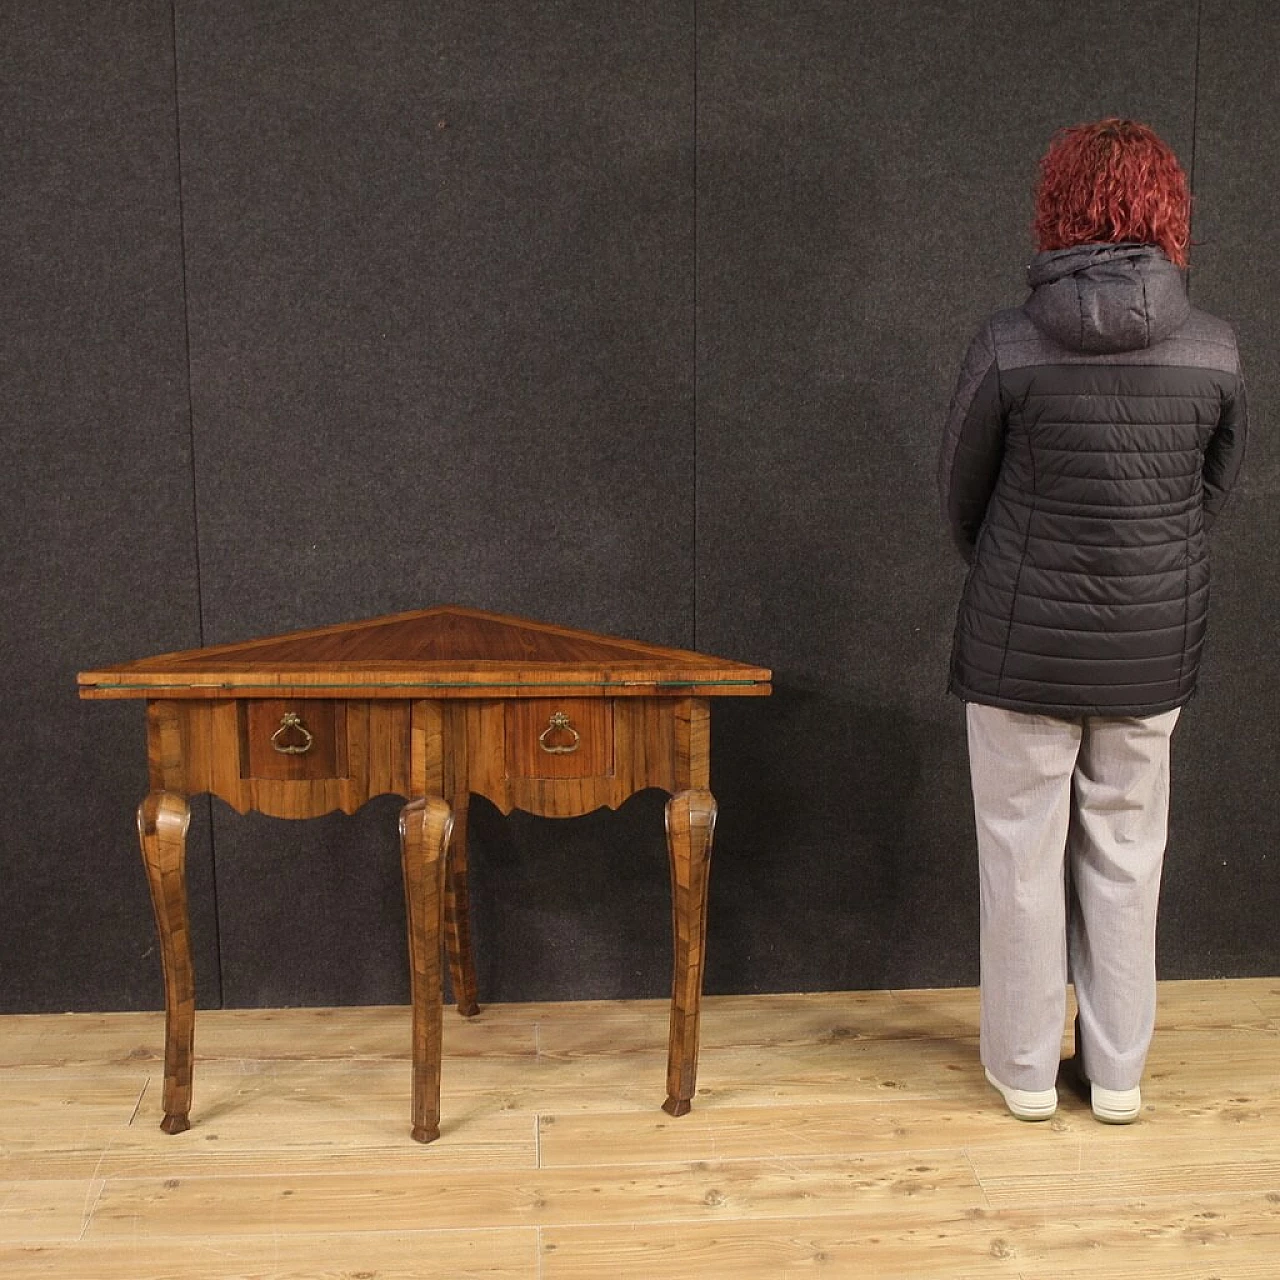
(90, 1208)
(713, 1161)
(274, 1233)
(137, 1105)
(977, 1177)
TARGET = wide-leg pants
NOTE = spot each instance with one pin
(1068, 809)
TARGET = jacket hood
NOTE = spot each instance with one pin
(1099, 298)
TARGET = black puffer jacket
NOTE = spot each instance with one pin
(1095, 432)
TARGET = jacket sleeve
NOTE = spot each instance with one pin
(1225, 452)
(972, 445)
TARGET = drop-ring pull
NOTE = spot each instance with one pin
(559, 723)
(291, 722)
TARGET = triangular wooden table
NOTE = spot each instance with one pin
(434, 706)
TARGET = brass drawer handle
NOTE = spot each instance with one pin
(559, 722)
(291, 721)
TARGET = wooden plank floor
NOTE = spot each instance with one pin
(834, 1135)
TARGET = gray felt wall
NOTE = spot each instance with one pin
(641, 318)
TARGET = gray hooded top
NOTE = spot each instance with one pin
(1101, 298)
(1094, 434)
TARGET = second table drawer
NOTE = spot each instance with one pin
(559, 738)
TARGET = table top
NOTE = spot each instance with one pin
(442, 652)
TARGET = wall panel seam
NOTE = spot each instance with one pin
(697, 479)
(1195, 119)
(191, 456)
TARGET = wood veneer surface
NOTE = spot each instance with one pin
(446, 651)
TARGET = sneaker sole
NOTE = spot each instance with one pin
(1026, 1104)
(1116, 1115)
(1115, 1106)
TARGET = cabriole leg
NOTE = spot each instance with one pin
(691, 821)
(163, 819)
(425, 826)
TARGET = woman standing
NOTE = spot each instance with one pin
(1094, 436)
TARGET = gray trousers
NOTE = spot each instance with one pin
(1064, 809)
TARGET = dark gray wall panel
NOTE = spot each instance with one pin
(1222, 887)
(576, 904)
(441, 266)
(440, 275)
(98, 561)
(864, 182)
(440, 261)
(311, 913)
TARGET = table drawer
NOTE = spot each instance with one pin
(300, 740)
(559, 738)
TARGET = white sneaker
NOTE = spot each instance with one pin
(1026, 1104)
(1115, 1106)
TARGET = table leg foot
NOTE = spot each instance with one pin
(163, 819)
(691, 821)
(425, 826)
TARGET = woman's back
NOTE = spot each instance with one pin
(1089, 591)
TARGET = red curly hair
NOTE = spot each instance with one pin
(1109, 182)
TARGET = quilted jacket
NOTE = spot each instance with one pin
(1094, 435)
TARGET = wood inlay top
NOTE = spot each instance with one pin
(444, 651)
